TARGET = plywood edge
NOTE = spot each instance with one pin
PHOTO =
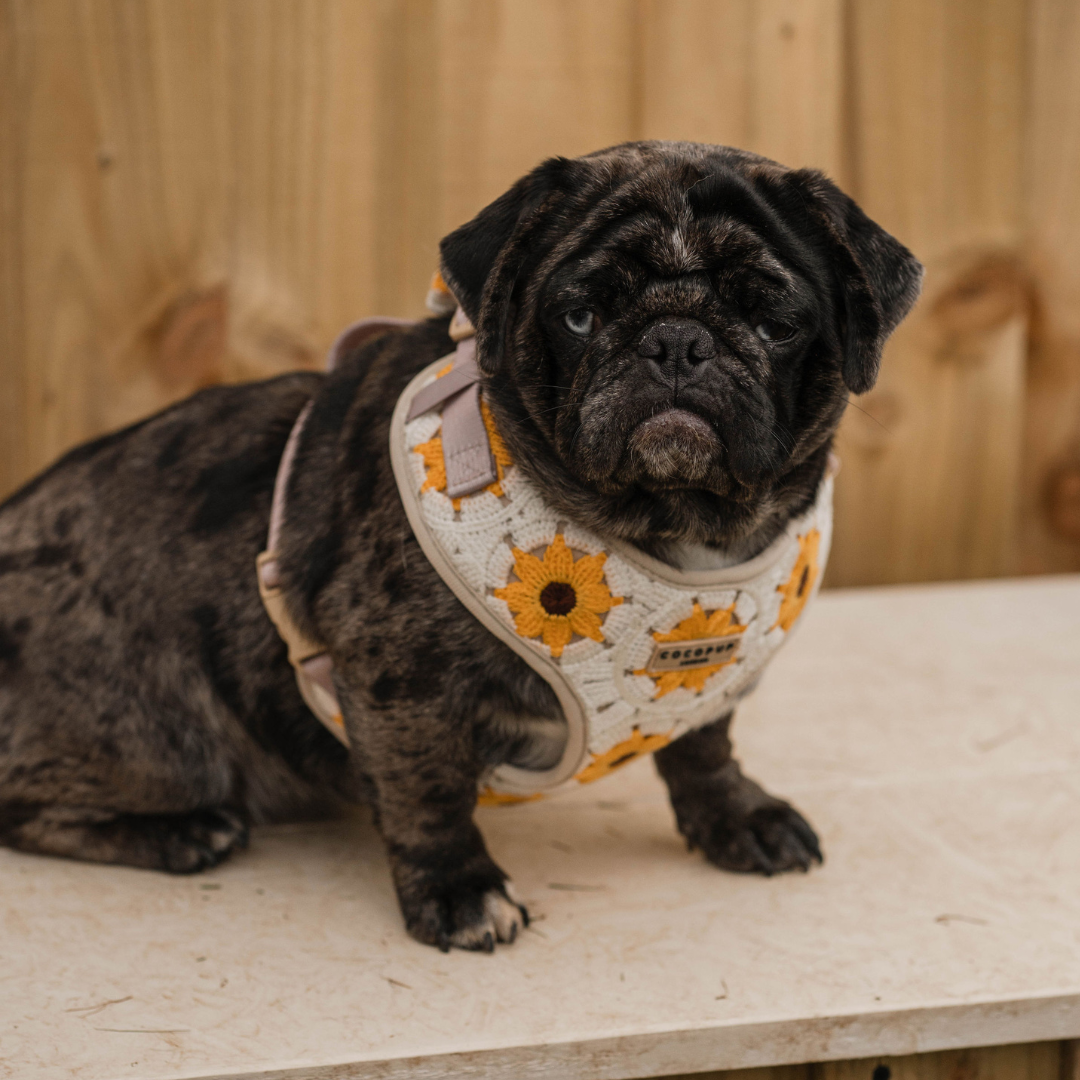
(734, 1045)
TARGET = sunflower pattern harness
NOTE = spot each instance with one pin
(637, 652)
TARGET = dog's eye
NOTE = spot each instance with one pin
(579, 321)
(768, 330)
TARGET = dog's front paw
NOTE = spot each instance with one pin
(767, 840)
(464, 911)
(743, 828)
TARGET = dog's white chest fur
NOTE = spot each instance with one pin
(700, 557)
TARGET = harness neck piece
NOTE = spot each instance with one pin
(637, 651)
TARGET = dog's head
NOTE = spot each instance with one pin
(668, 333)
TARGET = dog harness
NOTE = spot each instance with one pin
(637, 651)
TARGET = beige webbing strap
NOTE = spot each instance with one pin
(467, 456)
(310, 659)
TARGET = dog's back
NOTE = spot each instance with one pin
(132, 639)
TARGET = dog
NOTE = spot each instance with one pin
(667, 335)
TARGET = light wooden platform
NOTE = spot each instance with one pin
(932, 735)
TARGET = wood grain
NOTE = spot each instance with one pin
(770, 1072)
(198, 191)
(767, 75)
(1050, 536)
(1025, 1061)
(1070, 1060)
(14, 463)
(518, 82)
(476, 93)
(930, 482)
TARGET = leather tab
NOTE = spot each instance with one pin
(470, 465)
(465, 374)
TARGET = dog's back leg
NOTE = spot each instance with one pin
(179, 843)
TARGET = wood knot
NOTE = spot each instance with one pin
(192, 339)
(988, 290)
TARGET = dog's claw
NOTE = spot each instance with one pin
(467, 919)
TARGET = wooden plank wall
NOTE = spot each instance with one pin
(194, 191)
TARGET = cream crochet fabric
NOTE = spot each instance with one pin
(637, 652)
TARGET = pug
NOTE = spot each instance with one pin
(666, 334)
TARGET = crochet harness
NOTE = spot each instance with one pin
(637, 651)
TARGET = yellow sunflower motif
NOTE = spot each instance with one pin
(626, 751)
(796, 590)
(557, 598)
(698, 624)
(435, 464)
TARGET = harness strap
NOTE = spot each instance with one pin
(469, 463)
(607, 716)
(464, 374)
(310, 659)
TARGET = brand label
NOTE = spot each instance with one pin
(702, 652)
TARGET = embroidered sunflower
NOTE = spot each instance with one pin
(796, 590)
(558, 597)
(620, 755)
(719, 623)
(435, 464)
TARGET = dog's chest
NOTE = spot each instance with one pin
(637, 651)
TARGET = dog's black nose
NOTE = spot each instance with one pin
(676, 343)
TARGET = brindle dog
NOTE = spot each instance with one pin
(667, 333)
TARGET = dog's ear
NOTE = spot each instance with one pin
(878, 279)
(480, 260)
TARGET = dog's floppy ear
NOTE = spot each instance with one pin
(878, 278)
(481, 259)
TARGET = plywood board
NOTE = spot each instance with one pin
(933, 745)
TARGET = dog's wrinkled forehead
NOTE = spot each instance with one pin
(675, 209)
(664, 249)
(667, 247)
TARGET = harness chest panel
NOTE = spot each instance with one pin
(637, 652)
